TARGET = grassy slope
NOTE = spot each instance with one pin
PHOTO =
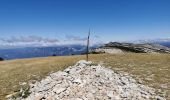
(152, 69)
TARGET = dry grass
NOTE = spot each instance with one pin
(152, 69)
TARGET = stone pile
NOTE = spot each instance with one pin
(88, 81)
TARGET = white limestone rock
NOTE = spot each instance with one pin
(87, 81)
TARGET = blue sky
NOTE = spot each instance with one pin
(109, 20)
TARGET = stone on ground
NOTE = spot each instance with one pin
(88, 81)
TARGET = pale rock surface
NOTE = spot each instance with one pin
(108, 50)
(88, 81)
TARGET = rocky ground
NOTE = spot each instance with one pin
(89, 81)
(116, 47)
(107, 50)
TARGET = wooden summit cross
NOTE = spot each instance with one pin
(87, 52)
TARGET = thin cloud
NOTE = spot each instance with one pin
(75, 38)
(97, 36)
(28, 39)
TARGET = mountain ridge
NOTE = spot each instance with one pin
(119, 47)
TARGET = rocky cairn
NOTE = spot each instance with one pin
(89, 81)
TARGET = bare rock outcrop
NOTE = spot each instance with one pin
(116, 47)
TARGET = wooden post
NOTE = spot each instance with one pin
(87, 52)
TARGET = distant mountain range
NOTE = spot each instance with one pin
(164, 42)
(167, 44)
(30, 52)
(62, 50)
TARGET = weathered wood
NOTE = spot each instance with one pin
(87, 52)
